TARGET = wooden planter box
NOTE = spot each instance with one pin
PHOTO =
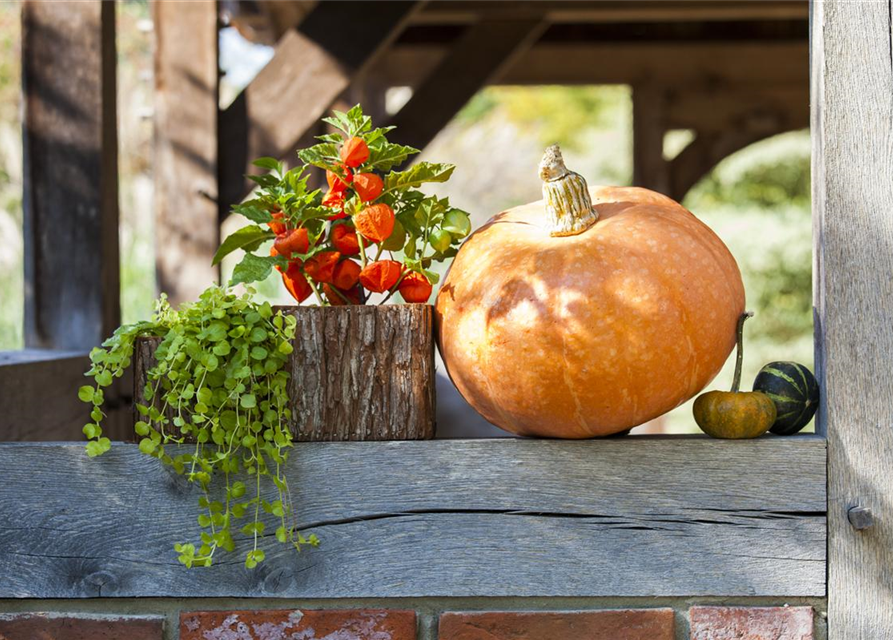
(357, 372)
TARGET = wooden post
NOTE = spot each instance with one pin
(187, 231)
(486, 50)
(852, 129)
(650, 170)
(70, 174)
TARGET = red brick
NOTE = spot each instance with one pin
(43, 626)
(285, 624)
(751, 623)
(629, 624)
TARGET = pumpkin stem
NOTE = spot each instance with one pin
(566, 196)
(739, 359)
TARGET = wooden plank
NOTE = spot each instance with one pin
(311, 67)
(70, 174)
(479, 57)
(852, 131)
(678, 64)
(574, 11)
(638, 516)
(650, 170)
(39, 399)
(357, 372)
(187, 231)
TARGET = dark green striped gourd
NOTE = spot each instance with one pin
(795, 392)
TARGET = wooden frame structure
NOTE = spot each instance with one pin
(481, 515)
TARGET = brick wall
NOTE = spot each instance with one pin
(423, 619)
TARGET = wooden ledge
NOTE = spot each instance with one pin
(637, 516)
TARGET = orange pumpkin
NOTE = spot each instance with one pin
(588, 313)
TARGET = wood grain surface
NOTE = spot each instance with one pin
(70, 174)
(852, 128)
(187, 228)
(638, 516)
(357, 372)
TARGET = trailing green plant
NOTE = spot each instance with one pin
(218, 388)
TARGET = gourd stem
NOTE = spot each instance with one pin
(565, 196)
(739, 359)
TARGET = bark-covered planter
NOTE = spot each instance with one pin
(357, 372)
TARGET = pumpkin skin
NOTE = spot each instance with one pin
(590, 334)
(795, 392)
(734, 415)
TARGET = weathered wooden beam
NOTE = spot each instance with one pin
(677, 64)
(638, 516)
(70, 174)
(712, 107)
(650, 170)
(574, 11)
(39, 399)
(710, 147)
(187, 231)
(852, 129)
(312, 66)
(479, 57)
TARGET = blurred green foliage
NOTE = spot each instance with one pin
(556, 114)
(769, 182)
(776, 176)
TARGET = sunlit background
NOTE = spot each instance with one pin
(756, 200)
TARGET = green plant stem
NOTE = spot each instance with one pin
(393, 289)
(315, 291)
(362, 248)
(739, 358)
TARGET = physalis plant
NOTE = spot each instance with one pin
(218, 388)
(371, 231)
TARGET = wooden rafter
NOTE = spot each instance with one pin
(744, 65)
(705, 152)
(487, 49)
(565, 11)
(312, 66)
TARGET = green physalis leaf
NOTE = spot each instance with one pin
(385, 155)
(323, 155)
(269, 163)
(418, 175)
(253, 211)
(247, 238)
(252, 268)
